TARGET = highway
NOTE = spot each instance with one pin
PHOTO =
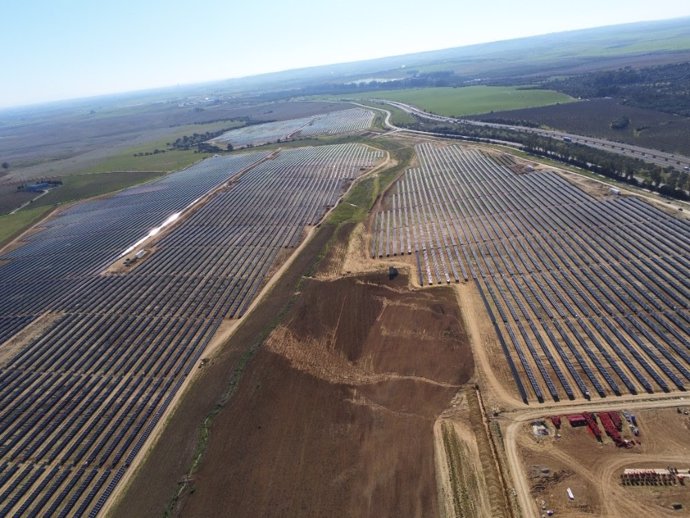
(652, 156)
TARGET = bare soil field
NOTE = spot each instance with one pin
(647, 128)
(335, 414)
(592, 469)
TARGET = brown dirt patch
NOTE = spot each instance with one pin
(332, 264)
(498, 386)
(335, 415)
(379, 326)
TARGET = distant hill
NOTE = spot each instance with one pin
(635, 44)
(510, 61)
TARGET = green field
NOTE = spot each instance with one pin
(164, 162)
(11, 225)
(169, 160)
(470, 100)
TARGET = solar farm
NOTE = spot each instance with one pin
(334, 123)
(90, 358)
(588, 296)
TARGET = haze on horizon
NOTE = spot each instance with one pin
(63, 49)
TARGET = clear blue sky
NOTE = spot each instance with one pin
(58, 49)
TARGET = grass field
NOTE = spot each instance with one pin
(170, 160)
(164, 162)
(470, 100)
(11, 225)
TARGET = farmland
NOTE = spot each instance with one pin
(646, 128)
(123, 141)
(92, 356)
(587, 296)
(68, 139)
(470, 100)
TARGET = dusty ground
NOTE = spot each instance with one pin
(497, 382)
(592, 470)
(598, 190)
(335, 415)
(15, 344)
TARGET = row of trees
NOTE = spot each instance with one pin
(197, 141)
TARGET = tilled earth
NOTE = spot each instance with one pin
(334, 416)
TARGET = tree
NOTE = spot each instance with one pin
(5, 165)
(684, 182)
(629, 171)
(672, 179)
(655, 176)
(229, 147)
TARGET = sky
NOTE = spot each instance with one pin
(62, 49)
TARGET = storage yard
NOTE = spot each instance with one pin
(91, 358)
(646, 478)
(587, 296)
(334, 123)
